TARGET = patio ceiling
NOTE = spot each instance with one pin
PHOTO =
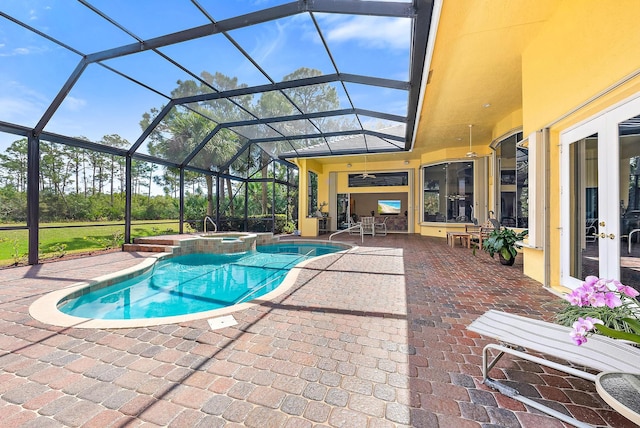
(474, 76)
(297, 79)
(476, 70)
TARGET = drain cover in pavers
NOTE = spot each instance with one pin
(222, 322)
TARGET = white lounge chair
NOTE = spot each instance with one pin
(518, 334)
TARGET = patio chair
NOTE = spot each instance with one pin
(509, 222)
(519, 335)
(496, 224)
(474, 232)
(381, 228)
(482, 232)
(591, 230)
(367, 226)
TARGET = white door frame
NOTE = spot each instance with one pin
(605, 124)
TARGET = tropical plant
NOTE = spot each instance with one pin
(289, 227)
(503, 242)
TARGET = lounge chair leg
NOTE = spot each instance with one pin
(486, 366)
(513, 393)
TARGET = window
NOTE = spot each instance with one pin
(513, 184)
(312, 194)
(379, 179)
(448, 192)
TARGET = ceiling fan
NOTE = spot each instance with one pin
(365, 174)
(471, 153)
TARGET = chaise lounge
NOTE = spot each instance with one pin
(518, 335)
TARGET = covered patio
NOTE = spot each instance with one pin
(323, 354)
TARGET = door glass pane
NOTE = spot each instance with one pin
(584, 245)
(629, 141)
(312, 194)
(460, 192)
(343, 210)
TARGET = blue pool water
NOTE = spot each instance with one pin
(195, 283)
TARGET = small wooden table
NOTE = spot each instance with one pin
(622, 392)
(465, 238)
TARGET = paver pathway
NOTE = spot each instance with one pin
(373, 338)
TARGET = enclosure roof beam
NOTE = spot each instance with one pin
(12, 128)
(316, 115)
(296, 83)
(330, 134)
(201, 145)
(152, 159)
(66, 88)
(235, 157)
(421, 27)
(351, 7)
(316, 154)
(208, 172)
(82, 144)
(156, 121)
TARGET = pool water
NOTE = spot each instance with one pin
(195, 283)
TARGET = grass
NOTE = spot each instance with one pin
(58, 239)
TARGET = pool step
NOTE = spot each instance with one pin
(150, 248)
(156, 241)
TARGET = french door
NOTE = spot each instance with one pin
(600, 198)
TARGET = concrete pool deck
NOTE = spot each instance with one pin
(372, 338)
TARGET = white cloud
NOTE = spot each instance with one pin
(14, 52)
(19, 110)
(263, 48)
(21, 51)
(371, 32)
(6, 51)
(74, 104)
(19, 103)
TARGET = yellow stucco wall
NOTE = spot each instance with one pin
(569, 73)
(585, 47)
(508, 124)
(533, 264)
(309, 226)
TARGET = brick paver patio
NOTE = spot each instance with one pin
(374, 338)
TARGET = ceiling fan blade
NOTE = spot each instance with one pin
(365, 175)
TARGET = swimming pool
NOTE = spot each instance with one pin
(187, 285)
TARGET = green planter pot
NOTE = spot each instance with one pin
(506, 262)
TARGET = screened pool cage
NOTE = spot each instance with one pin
(141, 111)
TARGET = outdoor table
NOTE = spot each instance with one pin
(622, 392)
(465, 238)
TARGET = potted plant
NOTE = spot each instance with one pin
(503, 242)
(321, 206)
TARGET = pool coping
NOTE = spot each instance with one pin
(45, 309)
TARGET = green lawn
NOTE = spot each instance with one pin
(75, 237)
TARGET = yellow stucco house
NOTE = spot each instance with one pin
(530, 109)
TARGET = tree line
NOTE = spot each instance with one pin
(83, 185)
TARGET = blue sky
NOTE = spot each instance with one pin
(33, 69)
